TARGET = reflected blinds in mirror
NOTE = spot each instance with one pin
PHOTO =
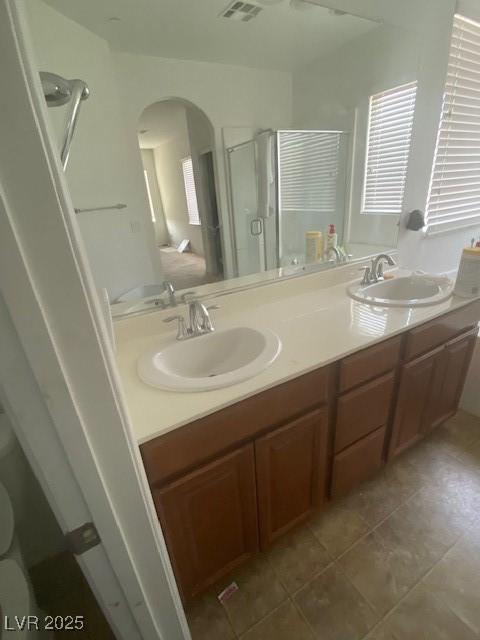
(190, 192)
(454, 197)
(390, 123)
(308, 170)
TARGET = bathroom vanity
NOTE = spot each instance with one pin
(230, 483)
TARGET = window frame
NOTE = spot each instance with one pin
(402, 179)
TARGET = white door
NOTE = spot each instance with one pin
(23, 403)
(57, 370)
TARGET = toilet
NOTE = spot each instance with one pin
(18, 604)
(16, 592)
(14, 471)
(9, 546)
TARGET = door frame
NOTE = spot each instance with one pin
(50, 304)
(207, 180)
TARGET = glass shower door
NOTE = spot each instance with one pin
(247, 226)
(254, 231)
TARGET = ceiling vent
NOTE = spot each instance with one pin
(241, 11)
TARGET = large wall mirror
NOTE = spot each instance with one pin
(223, 144)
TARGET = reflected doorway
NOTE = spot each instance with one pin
(177, 142)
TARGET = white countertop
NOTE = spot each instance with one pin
(314, 317)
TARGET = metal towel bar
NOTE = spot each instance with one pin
(120, 205)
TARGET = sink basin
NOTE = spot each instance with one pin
(416, 290)
(212, 361)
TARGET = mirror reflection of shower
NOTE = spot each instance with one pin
(59, 91)
(285, 185)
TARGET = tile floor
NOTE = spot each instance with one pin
(184, 270)
(399, 559)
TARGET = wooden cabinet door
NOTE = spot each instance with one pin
(413, 401)
(291, 473)
(209, 518)
(448, 384)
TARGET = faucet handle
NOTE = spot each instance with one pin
(367, 274)
(207, 322)
(182, 331)
(188, 296)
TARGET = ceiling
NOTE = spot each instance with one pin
(161, 122)
(281, 37)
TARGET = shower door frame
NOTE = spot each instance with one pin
(229, 151)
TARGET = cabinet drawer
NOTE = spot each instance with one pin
(182, 449)
(357, 463)
(369, 363)
(363, 410)
(436, 332)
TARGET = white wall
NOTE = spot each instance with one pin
(168, 158)
(229, 96)
(161, 231)
(104, 166)
(333, 93)
(440, 252)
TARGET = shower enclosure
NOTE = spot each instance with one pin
(252, 174)
(283, 184)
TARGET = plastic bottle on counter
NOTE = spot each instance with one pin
(313, 247)
(332, 238)
(467, 284)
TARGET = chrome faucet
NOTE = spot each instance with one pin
(341, 256)
(336, 251)
(374, 272)
(377, 265)
(170, 289)
(200, 321)
(199, 324)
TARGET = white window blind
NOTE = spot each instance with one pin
(190, 191)
(390, 123)
(454, 196)
(308, 169)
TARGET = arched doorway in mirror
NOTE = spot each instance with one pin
(176, 141)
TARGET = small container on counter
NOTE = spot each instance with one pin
(332, 238)
(467, 284)
(313, 247)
